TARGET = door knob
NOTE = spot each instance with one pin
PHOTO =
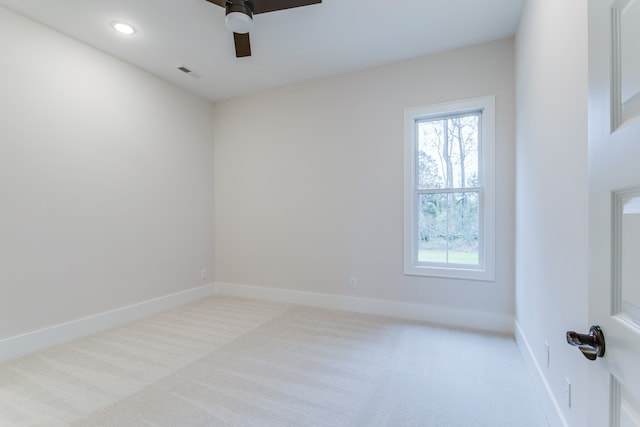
(592, 345)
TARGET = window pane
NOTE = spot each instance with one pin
(448, 152)
(448, 227)
(430, 161)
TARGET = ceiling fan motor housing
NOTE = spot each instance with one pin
(241, 6)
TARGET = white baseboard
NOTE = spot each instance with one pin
(549, 403)
(21, 345)
(455, 317)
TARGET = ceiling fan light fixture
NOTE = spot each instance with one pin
(239, 16)
(238, 22)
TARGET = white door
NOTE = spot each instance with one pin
(614, 210)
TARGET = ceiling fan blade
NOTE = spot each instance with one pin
(264, 6)
(243, 46)
(220, 3)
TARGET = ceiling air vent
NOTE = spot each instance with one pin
(188, 72)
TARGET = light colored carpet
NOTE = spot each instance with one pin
(237, 362)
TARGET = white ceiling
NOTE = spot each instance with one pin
(288, 46)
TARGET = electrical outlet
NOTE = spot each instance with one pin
(567, 391)
(546, 352)
(203, 274)
(353, 282)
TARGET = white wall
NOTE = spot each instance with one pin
(309, 181)
(106, 181)
(551, 202)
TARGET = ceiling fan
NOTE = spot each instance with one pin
(239, 17)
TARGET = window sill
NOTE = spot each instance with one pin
(477, 274)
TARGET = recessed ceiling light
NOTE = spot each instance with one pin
(123, 28)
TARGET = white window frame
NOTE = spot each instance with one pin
(485, 270)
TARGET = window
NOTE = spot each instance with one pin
(449, 189)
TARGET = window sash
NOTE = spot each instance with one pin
(448, 116)
(481, 232)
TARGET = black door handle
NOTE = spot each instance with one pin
(592, 345)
